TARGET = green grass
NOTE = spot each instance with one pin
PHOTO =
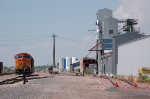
(144, 77)
(88, 72)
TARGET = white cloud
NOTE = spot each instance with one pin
(137, 9)
(88, 39)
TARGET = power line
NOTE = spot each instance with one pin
(92, 32)
(24, 39)
(25, 36)
(71, 46)
(39, 43)
(22, 44)
(75, 41)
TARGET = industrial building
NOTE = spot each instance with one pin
(133, 55)
(120, 39)
(127, 48)
(109, 37)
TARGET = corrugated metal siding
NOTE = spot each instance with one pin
(133, 56)
(104, 13)
(119, 39)
(108, 65)
(110, 24)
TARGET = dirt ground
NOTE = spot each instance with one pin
(3, 77)
(68, 86)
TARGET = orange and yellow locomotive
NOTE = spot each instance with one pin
(24, 63)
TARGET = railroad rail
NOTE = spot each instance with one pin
(11, 80)
(20, 78)
(6, 74)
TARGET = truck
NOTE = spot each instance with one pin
(53, 70)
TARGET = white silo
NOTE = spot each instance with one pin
(74, 59)
(68, 62)
(61, 63)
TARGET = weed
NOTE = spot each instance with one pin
(144, 77)
(130, 78)
(139, 79)
(116, 76)
(87, 72)
(122, 77)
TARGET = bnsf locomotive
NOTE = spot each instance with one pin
(24, 63)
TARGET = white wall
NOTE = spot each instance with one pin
(132, 56)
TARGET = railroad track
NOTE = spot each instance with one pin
(114, 81)
(11, 80)
(6, 74)
(19, 78)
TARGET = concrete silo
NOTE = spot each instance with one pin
(74, 59)
(61, 63)
(64, 63)
(68, 62)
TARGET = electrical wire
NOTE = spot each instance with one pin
(40, 37)
(71, 46)
(22, 44)
(79, 42)
(42, 42)
(92, 32)
(25, 36)
(24, 39)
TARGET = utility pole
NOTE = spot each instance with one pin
(54, 49)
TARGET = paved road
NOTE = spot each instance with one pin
(67, 86)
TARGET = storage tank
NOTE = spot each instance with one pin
(64, 63)
(68, 62)
(1, 67)
(61, 63)
(71, 68)
(74, 59)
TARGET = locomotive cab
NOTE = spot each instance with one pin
(24, 63)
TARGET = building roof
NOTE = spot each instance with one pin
(147, 36)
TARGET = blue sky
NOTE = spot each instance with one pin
(27, 26)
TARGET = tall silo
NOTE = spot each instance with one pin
(68, 62)
(64, 63)
(74, 59)
(61, 63)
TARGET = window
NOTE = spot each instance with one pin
(18, 57)
(110, 31)
(27, 57)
